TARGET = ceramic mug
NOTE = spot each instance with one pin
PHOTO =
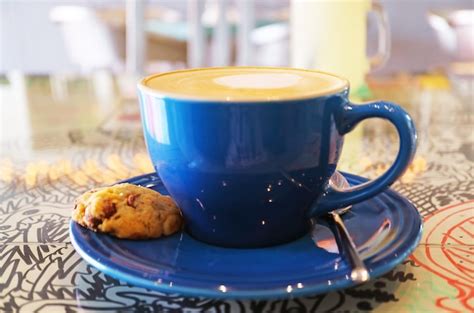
(247, 152)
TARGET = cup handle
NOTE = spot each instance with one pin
(346, 120)
(383, 47)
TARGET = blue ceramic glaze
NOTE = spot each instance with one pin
(386, 229)
(350, 116)
(250, 174)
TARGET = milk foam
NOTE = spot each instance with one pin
(258, 81)
(243, 84)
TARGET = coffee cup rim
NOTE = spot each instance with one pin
(165, 94)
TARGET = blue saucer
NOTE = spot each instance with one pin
(386, 230)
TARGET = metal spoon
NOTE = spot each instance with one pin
(359, 272)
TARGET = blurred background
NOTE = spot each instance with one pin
(68, 68)
(67, 36)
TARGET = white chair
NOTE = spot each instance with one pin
(215, 13)
(88, 41)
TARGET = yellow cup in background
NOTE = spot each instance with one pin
(332, 36)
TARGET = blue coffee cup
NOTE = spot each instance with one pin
(252, 172)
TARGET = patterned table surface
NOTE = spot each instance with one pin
(60, 136)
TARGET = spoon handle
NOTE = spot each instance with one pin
(359, 272)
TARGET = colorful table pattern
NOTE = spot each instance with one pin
(60, 136)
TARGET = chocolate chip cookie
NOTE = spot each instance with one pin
(128, 211)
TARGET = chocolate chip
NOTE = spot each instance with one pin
(131, 199)
(92, 221)
(109, 210)
(137, 236)
(75, 206)
(96, 222)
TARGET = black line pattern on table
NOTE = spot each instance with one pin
(41, 272)
(46, 273)
(428, 198)
(40, 219)
(37, 278)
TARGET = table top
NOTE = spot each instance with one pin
(61, 135)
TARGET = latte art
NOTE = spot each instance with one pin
(243, 84)
(258, 81)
